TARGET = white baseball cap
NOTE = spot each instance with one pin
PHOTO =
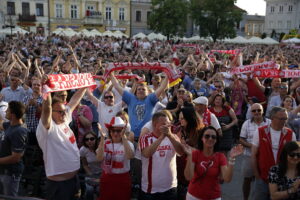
(116, 122)
(201, 100)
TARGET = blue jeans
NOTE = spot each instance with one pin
(261, 190)
(9, 184)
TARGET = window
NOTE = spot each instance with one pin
(39, 9)
(11, 8)
(281, 9)
(108, 13)
(290, 8)
(74, 12)
(272, 9)
(25, 9)
(138, 16)
(271, 24)
(91, 8)
(148, 15)
(288, 24)
(279, 24)
(121, 14)
(59, 10)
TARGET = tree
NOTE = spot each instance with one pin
(216, 18)
(168, 17)
(263, 36)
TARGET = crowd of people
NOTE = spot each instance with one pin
(141, 138)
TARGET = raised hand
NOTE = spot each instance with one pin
(236, 151)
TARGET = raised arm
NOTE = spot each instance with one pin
(190, 165)
(76, 98)
(92, 98)
(46, 112)
(162, 87)
(129, 154)
(116, 84)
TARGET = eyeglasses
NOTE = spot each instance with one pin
(283, 87)
(89, 139)
(207, 136)
(108, 97)
(281, 119)
(62, 112)
(116, 130)
(293, 155)
(256, 110)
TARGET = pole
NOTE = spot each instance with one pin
(49, 31)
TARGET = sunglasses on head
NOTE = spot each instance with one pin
(207, 136)
(108, 97)
(293, 155)
(89, 139)
(256, 110)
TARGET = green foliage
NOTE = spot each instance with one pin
(263, 36)
(293, 32)
(216, 18)
(273, 34)
(169, 17)
(281, 36)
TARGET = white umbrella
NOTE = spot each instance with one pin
(58, 31)
(119, 34)
(269, 40)
(161, 37)
(255, 40)
(139, 35)
(14, 31)
(95, 32)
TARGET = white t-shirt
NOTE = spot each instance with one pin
(275, 137)
(93, 163)
(249, 128)
(60, 151)
(159, 172)
(214, 121)
(106, 112)
(114, 157)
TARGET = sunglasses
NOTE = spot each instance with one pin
(108, 97)
(256, 110)
(293, 155)
(207, 136)
(62, 112)
(89, 139)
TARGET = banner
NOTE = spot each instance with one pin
(232, 52)
(173, 74)
(62, 82)
(275, 73)
(251, 68)
(123, 76)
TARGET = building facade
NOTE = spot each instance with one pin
(102, 15)
(282, 16)
(251, 25)
(140, 12)
(31, 15)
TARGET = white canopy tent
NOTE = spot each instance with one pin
(15, 30)
(108, 33)
(255, 40)
(69, 32)
(269, 40)
(95, 32)
(119, 34)
(139, 35)
(292, 40)
(238, 40)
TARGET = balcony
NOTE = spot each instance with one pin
(27, 18)
(93, 18)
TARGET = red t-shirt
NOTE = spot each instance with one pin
(205, 183)
(254, 91)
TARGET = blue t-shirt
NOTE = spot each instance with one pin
(139, 111)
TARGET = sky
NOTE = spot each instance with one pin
(253, 6)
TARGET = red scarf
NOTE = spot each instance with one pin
(206, 118)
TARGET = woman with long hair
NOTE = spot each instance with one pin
(284, 178)
(115, 153)
(190, 127)
(227, 119)
(205, 166)
(90, 164)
